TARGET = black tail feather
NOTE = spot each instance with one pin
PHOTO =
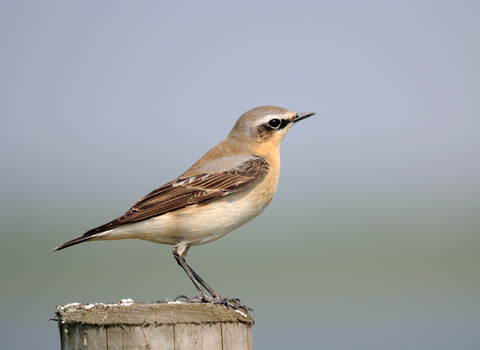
(73, 242)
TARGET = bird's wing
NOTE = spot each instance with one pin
(183, 192)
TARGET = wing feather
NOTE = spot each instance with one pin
(183, 192)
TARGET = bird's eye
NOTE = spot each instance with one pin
(274, 123)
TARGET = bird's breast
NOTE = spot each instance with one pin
(204, 223)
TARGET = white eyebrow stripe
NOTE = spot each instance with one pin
(269, 117)
(266, 118)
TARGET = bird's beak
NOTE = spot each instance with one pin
(300, 116)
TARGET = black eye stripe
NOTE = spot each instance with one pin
(277, 124)
(285, 122)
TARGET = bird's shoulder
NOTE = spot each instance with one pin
(240, 172)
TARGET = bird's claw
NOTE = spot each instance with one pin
(234, 303)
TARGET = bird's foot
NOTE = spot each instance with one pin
(233, 303)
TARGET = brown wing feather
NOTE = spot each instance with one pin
(192, 190)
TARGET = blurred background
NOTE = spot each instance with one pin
(373, 238)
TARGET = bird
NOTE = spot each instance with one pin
(229, 186)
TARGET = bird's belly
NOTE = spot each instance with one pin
(199, 223)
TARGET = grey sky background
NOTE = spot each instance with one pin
(372, 240)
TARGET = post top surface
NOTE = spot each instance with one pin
(126, 312)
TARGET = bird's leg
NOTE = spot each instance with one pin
(179, 250)
(228, 302)
(179, 253)
(204, 284)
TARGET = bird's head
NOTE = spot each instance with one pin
(265, 126)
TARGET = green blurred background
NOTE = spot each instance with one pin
(373, 238)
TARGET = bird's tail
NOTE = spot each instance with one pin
(73, 242)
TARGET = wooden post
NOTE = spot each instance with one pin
(173, 325)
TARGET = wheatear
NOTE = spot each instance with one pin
(226, 188)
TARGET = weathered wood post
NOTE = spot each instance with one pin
(174, 325)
